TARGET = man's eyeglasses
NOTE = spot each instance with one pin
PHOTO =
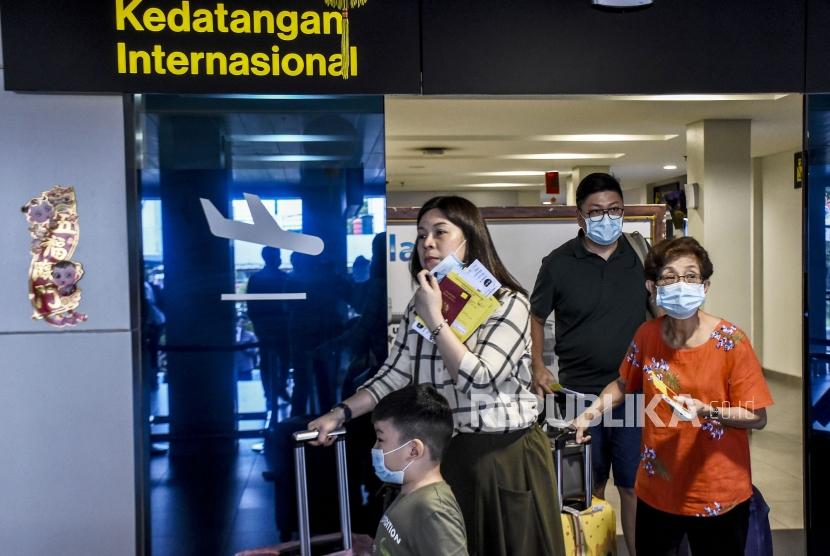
(669, 279)
(614, 213)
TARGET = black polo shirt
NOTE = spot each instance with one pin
(598, 307)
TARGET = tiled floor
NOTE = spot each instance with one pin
(216, 507)
(212, 505)
(222, 507)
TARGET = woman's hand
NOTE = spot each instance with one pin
(428, 299)
(695, 406)
(581, 424)
(325, 425)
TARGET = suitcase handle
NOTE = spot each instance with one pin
(301, 437)
(564, 438)
(305, 436)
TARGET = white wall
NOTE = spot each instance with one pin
(636, 196)
(479, 198)
(67, 480)
(782, 263)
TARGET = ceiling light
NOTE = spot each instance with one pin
(512, 173)
(694, 98)
(500, 185)
(621, 5)
(670, 167)
(562, 156)
(602, 137)
(596, 137)
(287, 138)
(287, 158)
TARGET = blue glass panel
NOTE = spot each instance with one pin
(249, 330)
(817, 324)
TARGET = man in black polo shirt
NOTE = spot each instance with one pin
(595, 285)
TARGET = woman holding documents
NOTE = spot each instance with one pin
(469, 337)
(703, 390)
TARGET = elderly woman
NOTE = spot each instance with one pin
(703, 390)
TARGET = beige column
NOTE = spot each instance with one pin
(719, 161)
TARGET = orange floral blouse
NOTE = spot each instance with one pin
(699, 467)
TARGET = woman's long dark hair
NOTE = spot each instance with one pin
(466, 216)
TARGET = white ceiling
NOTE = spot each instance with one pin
(479, 132)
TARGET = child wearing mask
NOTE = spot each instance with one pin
(413, 427)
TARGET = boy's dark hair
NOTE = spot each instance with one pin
(63, 264)
(418, 412)
(595, 183)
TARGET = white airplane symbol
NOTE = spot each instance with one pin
(264, 230)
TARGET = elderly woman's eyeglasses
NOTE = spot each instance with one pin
(614, 213)
(669, 279)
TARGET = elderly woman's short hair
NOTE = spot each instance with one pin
(666, 251)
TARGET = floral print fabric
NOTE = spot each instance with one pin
(699, 467)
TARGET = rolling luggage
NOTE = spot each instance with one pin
(331, 544)
(588, 523)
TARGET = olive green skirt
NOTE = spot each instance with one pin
(506, 488)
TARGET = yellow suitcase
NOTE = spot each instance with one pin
(590, 532)
(590, 529)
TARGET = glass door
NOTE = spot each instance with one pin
(817, 323)
(264, 299)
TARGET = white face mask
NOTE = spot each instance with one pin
(448, 264)
(681, 300)
(384, 473)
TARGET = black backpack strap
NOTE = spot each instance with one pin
(641, 246)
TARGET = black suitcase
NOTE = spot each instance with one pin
(330, 544)
(279, 449)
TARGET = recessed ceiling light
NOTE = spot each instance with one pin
(287, 158)
(670, 167)
(603, 137)
(697, 98)
(513, 173)
(562, 156)
(286, 138)
(500, 185)
(570, 137)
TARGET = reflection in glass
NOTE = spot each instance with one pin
(229, 379)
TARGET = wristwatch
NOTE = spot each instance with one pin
(347, 411)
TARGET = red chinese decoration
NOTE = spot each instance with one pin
(53, 275)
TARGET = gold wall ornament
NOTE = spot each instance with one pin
(343, 6)
(53, 275)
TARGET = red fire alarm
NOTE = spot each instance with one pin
(552, 183)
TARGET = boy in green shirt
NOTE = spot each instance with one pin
(413, 427)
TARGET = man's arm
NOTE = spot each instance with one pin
(542, 377)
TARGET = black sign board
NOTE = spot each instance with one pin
(212, 46)
(568, 47)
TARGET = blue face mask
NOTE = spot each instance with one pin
(604, 232)
(384, 473)
(681, 300)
